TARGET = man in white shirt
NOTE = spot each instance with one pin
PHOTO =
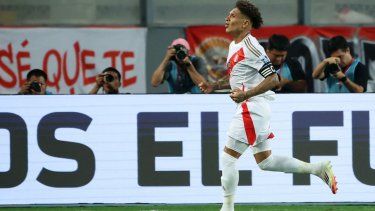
(251, 77)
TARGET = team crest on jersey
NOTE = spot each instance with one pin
(236, 57)
(264, 59)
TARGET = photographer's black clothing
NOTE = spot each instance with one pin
(178, 78)
(291, 69)
(355, 72)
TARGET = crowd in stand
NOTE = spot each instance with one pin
(187, 73)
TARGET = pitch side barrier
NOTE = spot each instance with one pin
(165, 149)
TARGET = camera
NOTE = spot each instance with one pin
(333, 68)
(35, 86)
(181, 51)
(108, 78)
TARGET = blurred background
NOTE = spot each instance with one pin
(166, 20)
(179, 13)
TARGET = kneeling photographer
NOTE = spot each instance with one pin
(36, 83)
(109, 80)
(343, 72)
(182, 71)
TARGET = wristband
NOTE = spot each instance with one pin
(343, 79)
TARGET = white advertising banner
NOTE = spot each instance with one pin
(166, 148)
(72, 57)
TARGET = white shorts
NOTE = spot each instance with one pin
(241, 147)
(251, 122)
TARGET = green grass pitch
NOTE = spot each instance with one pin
(216, 207)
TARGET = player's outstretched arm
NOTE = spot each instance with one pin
(220, 84)
(268, 83)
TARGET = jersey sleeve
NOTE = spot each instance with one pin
(260, 60)
(267, 68)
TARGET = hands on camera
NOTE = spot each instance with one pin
(32, 88)
(105, 81)
(179, 53)
(25, 88)
(104, 78)
(332, 60)
(171, 52)
(109, 80)
(333, 67)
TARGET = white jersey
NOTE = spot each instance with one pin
(248, 64)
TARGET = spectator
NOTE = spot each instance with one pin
(109, 80)
(291, 76)
(342, 71)
(180, 69)
(36, 83)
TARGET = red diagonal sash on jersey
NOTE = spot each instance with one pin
(236, 57)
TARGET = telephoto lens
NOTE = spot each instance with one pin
(181, 52)
(108, 78)
(333, 68)
(35, 86)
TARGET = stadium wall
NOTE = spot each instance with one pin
(73, 56)
(165, 149)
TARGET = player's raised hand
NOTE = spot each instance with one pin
(238, 95)
(206, 87)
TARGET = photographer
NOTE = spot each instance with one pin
(35, 83)
(291, 76)
(182, 71)
(342, 71)
(109, 80)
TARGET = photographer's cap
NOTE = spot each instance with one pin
(181, 41)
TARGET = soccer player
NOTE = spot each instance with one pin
(251, 77)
